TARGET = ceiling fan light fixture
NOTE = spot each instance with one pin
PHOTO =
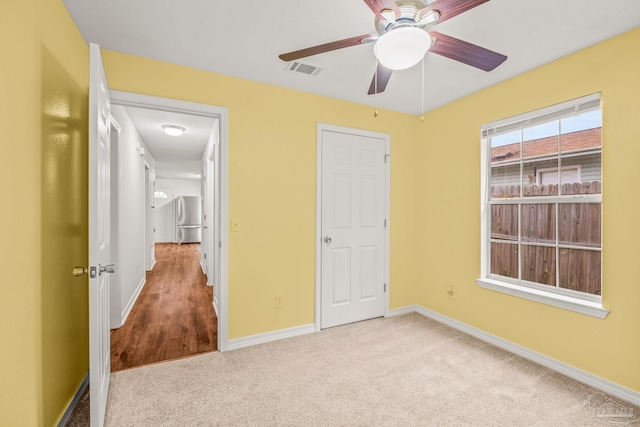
(173, 130)
(402, 47)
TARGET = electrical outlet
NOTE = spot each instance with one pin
(451, 293)
(279, 301)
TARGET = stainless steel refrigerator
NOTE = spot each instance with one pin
(189, 219)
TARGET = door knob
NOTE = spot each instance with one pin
(109, 268)
(327, 239)
(79, 271)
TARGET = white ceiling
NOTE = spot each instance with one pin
(244, 39)
(177, 157)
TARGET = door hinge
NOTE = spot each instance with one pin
(205, 256)
(385, 223)
(385, 287)
(220, 244)
(386, 157)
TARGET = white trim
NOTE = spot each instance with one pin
(573, 198)
(74, 401)
(155, 261)
(578, 305)
(202, 267)
(132, 301)
(215, 305)
(351, 131)
(270, 336)
(222, 114)
(585, 377)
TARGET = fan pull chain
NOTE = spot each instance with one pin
(422, 109)
(375, 88)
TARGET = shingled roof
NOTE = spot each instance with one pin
(574, 141)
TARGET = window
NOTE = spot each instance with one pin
(541, 205)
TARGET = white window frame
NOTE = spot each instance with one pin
(580, 302)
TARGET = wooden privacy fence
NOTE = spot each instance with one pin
(579, 225)
(531, 190)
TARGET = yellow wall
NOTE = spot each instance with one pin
(272, 156)
(43, 220)
(272, 185)
(449, 230)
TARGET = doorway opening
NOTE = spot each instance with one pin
(195, 261)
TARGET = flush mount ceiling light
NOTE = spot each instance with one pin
(402, 47)
(173, 130)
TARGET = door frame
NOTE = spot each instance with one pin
(149, 217)
(222, 114)
(359, 132)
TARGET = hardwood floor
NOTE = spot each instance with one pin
(173, 317)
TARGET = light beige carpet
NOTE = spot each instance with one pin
(400, 371)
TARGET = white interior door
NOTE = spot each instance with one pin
(353, 246)
(163, 202)
(99, 237)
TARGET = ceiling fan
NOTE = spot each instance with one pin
(405, 34)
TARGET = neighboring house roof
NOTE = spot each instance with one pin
(580, 140)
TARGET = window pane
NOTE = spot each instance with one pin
(581, 142)
(506, 147)
(504, 259)
(581, 132)
(580, 270)
(541, 178)
(505, 181)
(582, 173)
(504, 222)
(541, 140)
(539, 223)
(539, 264)
(580, 224)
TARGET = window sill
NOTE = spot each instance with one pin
(589, 308)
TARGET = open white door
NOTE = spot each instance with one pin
(99, 237)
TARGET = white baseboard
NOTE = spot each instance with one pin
(153, 264)
(270, 336)
(215, 306)
(202, 267)
(132, 300)
(585, 377)
(74, 402)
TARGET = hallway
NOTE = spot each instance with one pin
(173, 317)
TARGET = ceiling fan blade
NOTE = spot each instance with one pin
(377, 6)
(380, 80)
(466, 52)
(450, 8)
(328, 47)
